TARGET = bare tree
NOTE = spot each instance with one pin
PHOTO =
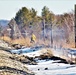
(15, 32)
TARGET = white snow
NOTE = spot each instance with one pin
(53, 68)
(35, 53)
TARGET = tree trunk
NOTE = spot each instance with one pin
(75, 26)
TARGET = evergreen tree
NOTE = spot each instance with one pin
(23, 16)
(47, 15)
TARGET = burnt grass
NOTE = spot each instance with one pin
(61, 60)
(13, 70)
(55, 59)
(24, 59)
(58, 58)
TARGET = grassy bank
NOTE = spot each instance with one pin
(10, 66)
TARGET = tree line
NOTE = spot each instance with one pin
(26, 18)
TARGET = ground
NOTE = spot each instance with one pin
(36, 60)
(9, 66)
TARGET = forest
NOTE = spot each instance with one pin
(49, 28)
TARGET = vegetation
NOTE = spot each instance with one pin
(0, 28)
(27, 21)
(10, 64)
(25, 16)
(59, 28)
(47, 15)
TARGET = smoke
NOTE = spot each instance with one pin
(60, 36)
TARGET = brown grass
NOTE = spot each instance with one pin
(6, 38)
(21, 41)
(9, 65)
(26, 42)
(46, 42)
(72, 45)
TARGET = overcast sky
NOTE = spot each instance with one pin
(8, 8)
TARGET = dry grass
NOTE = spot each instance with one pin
(44, 53)
(69, 45)
(8, 65)
(26, 42)
(41, 42)
(21, 41)
(6, 38)
(7, 73)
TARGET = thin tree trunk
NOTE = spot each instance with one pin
(75, 26)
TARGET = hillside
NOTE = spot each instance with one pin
(10, 65)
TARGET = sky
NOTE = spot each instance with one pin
(9, 8)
